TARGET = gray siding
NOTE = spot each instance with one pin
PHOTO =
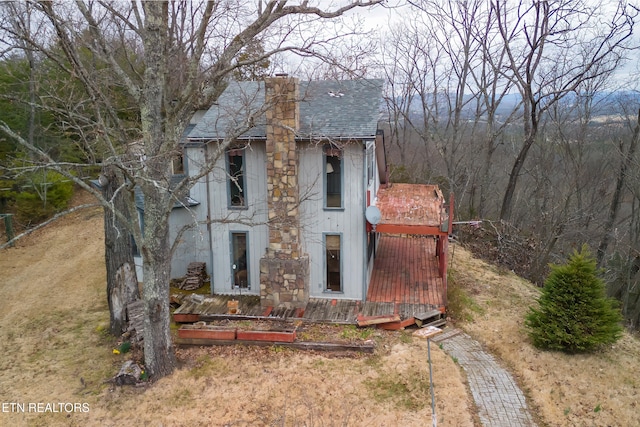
(252, 219)
(194, 243)
(214, 247)
(349, 222)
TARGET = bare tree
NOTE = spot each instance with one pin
(619, 240)
(567, 172)
(552, 47)
(430, 60)
(408, 67)
(628, 156)
(178, 56)
(448, 65)
(492, 107)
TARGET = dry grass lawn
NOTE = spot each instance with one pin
(563, 390)
(53, 316)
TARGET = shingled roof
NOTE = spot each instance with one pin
(339, 109)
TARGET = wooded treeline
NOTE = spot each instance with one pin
(523, 110)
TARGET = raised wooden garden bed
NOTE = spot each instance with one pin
(272, 336)
(317, 337)
(201, 330)
(206, 332)
(186, 318)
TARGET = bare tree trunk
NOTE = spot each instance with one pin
(489, 149)
(507, 201)
(122, 283)
(617, 194)
(159, 354)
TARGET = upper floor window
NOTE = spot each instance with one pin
(177, 164)
(370, 150)
(235, 178)
(332, 177)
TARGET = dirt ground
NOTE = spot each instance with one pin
(57, 358)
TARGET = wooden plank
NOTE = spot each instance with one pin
(447, 333)
(309, 310)
(219, 304)
(427, 314)
(213, 317)
(270, 336)
(395, 326)
(352, 312)
(324, 310)
(315, 346)
(335, 310)
(186, 307)
(408, 229)
(201, 308)
(311, 313)
(376, 320)
(438, 322)
(343, 310)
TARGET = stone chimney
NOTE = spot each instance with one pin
(284, 270)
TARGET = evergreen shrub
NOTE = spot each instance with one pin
(574, 314)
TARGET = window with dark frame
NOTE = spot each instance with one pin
(235, 178)
(333, 177)
(370, 162)
(239, 263)
(177, 164)
(371, 245)
(333, 263)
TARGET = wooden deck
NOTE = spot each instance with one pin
(318, 310)
(406, 271)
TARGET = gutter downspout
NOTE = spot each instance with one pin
(365, 252)
(206, 155)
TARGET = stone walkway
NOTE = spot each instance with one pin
(500, 401)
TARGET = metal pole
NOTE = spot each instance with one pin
(434, 418)
(429, 332)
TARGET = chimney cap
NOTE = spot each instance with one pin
(282, 75)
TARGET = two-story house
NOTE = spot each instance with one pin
(281, 213)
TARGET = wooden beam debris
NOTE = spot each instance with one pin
(377, 320)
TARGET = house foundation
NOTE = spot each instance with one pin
(284, 270)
